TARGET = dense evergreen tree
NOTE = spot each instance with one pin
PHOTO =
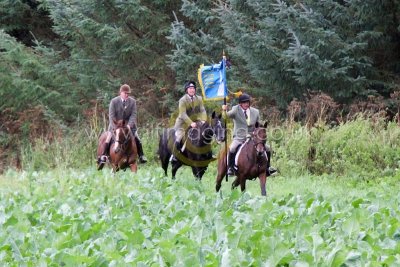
(289, 48)
(94, 45)
(26, 21)
(31, 77)
(114, 42)
(279, 50)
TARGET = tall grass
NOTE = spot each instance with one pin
(362, 146)
(367, 147)
(77, 147)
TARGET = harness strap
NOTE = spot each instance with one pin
(255, 147)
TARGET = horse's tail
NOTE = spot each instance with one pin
(159, 146)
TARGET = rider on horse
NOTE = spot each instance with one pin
(122, 107)
(191, 109)
(244, 119)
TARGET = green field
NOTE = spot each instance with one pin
(83, 217)
(338, 208)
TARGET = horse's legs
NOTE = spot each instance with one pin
(235, 183)
(164, 164)
(199, 172)
(100, 166)
(101, 150)
(262, 178)
(175, 166)
(195, 172)
(221, 174)
(221, 169)
(242, 183)
(133, 167)
(219, 180)
(163, 151)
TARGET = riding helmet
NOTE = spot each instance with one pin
(190, 84)
(244, 98)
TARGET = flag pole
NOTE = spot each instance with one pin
(226, 142)
(226, 132)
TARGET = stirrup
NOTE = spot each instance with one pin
(142, 159)
(173, 158)
(271, 171)
(103, 159)
(231, 171)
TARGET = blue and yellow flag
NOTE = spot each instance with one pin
(212, 80)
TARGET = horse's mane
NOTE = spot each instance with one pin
(192, 134)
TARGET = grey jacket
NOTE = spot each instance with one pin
(190, 111)
(240, 126)
(118, 112)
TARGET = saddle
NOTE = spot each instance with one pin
(237, 153)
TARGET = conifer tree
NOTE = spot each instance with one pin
(28, 78)
(286, 49)
(113, 42)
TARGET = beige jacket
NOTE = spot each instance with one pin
(190, 111)
(240, 126)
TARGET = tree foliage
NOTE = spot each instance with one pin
(288, 48)
(77, 53)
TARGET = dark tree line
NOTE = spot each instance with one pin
(67, 55)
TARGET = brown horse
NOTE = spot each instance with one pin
(123, 151)
(252, 161)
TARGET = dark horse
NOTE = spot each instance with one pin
(252, 161)
(123, 151)
(197, 153)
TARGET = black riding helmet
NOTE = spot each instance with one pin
(189, 84)
(244, 98)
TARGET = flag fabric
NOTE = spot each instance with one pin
(212, 80)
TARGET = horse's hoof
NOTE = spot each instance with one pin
(100, 166)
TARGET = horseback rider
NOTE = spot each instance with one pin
(122, 107)
(191, 109)
(244, 120)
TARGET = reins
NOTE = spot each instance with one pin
(255, 144)
(123, 143)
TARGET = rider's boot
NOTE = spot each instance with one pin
(231, 164)
(270, 170)
(105, 149)
(142, 158)
(104, 153)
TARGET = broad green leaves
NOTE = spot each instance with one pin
(94, 219)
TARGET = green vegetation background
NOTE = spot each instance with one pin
(61, 62)
(339, 209)
(325, 74)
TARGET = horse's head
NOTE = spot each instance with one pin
(121, 135)
(216, 125)
(259, 137)
(213, 130)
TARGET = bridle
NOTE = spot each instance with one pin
(125, 141)
(206, 133)
(255, 144)
(259, 154)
